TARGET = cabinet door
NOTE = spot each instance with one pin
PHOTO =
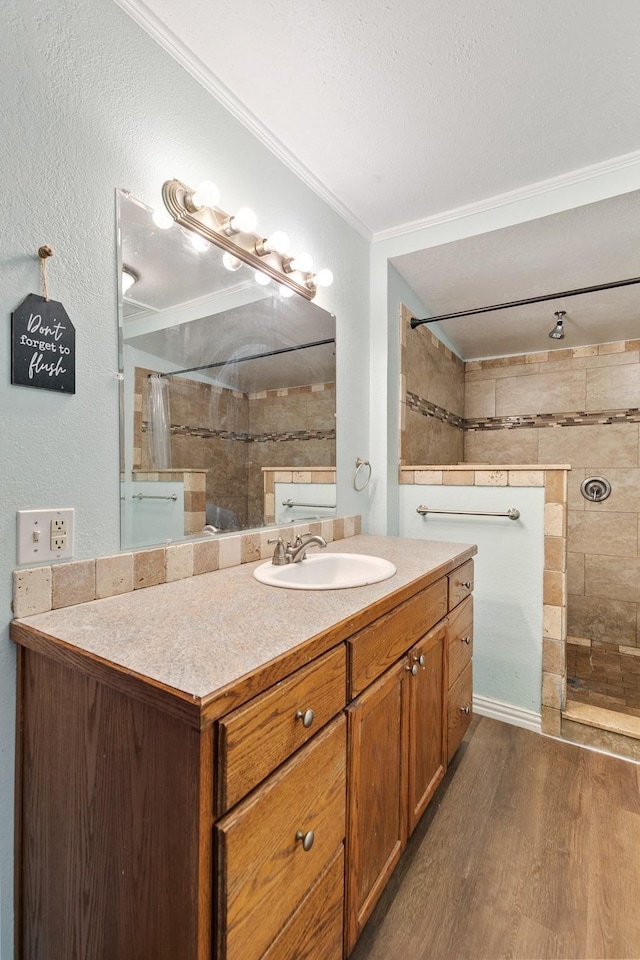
(377, 805)
(275, 845)
(460, 709)
(427, 721)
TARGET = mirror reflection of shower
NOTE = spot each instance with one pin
(159, 423)
(250, 377)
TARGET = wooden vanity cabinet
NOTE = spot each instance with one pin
(427, 729)
(377, 799)
(459, 641)
(254, 827)
(402, 730)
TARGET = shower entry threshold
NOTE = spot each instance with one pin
(608, 730)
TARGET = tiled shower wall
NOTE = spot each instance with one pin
(432, 398)
(580, 407)
(233, 435)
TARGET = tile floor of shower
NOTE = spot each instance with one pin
(604, 675)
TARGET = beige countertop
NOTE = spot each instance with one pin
(201, 635)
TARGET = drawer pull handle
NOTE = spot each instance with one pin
(413, 670)
(467, 584)
(420, 660)
(465, 709)
(466, 640)
(307, 839)
(306, 717)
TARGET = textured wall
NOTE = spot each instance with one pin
(578, 407)
(90, 103)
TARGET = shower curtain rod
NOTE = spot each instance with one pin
(255, 356)
(521, 303)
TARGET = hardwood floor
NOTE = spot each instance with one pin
(530, 849)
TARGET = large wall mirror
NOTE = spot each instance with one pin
(225, 379)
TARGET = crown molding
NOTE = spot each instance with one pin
(532, 190)
(159, 32)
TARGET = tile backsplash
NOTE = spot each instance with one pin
(40, 589)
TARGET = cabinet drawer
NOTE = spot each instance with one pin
(264, 872)
(378, 646)
(460, 583)
(315, 930)
(460, 710)
(460, 639)
(258, 736)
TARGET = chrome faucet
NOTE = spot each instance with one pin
(295, 553)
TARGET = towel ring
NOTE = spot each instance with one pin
(360, 463)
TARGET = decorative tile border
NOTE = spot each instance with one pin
(428, 409)
(40, 589)
(578, 418)
(553, 477)
(206, 433)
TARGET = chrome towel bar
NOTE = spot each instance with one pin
(512, 513)
(153, 496)
(296, 503)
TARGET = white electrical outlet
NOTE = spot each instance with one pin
(45, 535)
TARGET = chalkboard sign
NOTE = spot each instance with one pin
(43, 346)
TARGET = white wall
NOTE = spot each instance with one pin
(91, 103)
(507, 655)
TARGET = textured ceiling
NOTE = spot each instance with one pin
(594, 244)
(404, 109)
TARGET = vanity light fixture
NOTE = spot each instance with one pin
(206, 194)
(129, 277)
(278, 242)
(261, 278)
(558, 331)
(197, 211)
(244, 221)
(230, 262)
(198, 243)
(162, 219)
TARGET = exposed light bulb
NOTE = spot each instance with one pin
(162, 218)
(278, 242)
(128, 279)
(244, 221)
(199, 243)
(206, 194)
(285, 292)
(303, 262)
(230, 262)
(323, 278)
(262, 278)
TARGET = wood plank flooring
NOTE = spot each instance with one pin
(530, 849)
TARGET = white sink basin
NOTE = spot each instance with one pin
(326, 571)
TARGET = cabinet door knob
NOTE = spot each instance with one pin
(465, 709)
(468, 584)
(307, 839)
(413, 670)
(466, 640)
(306, 717)
(420, 660)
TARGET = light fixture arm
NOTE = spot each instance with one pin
(211, 223)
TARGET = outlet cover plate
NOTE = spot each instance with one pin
(35, 535)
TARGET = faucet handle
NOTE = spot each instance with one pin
(279, 556)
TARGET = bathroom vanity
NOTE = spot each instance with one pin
(215, 768)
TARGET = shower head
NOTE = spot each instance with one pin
(558, 331)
